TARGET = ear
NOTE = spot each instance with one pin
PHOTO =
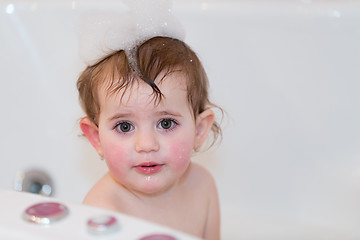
(203, 124)
(91, 131)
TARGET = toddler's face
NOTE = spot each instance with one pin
(147, 147)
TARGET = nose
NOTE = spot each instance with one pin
(146, 141)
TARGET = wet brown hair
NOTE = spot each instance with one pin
(158, 56)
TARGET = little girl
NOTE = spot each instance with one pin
(147, 111)
(146, 118)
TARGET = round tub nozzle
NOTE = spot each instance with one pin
(34, 181)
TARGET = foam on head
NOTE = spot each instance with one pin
(102, 33)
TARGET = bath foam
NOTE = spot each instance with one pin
(101, 33)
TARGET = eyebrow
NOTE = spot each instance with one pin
(160, 113)
(119, 115)
(168, 113)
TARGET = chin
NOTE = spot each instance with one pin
(153, 188)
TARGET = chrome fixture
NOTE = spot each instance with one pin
(34, 181)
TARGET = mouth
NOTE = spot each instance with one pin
(148, 167)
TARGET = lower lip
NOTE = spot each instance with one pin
(149, 170)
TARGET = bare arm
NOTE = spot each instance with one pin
(212, 228)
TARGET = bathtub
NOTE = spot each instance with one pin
(286, 72)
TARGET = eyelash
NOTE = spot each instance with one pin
(118, 124)
(173, 125)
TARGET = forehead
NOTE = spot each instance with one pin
(172, 86)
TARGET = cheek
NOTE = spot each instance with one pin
(115, 155)
(181, 152)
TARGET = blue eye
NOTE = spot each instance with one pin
(167, 124)
(124, 127)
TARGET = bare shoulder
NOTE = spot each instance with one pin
(201, 177)
(98, 194)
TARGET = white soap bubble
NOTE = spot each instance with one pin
(102, 33)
